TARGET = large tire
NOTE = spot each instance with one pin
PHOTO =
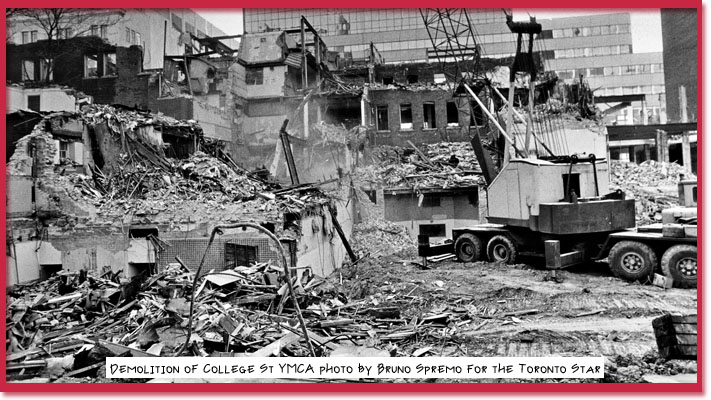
(633, 261)
(502, 249)
(468, 248)
(679, 263)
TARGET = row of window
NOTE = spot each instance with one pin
(591, 31)
(66, 33)
(335, 22)
(429, 116)
(593, 51)
(95, 65)
(618, 91)
(133, 37)
(612, 71)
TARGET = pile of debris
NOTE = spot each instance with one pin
(374, 236)
(652, 184)
(135, 179)
(442, 165)
(66, 326)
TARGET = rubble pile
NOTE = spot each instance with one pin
(139, 181)
(66, 326)
(374, 236)
(431, 167)
(652, 184)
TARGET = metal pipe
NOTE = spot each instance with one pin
(280, 248)
(491, 117)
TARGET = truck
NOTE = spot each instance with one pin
(553, 208)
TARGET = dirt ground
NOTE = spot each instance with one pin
(519, 311)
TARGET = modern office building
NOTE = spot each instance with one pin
(598, 47)
(679, 36)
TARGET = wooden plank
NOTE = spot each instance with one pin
(340, 322)
(323, 340)
(68, 297)
(522, 312)
(121, 349)
(276, 346)
(82, 370)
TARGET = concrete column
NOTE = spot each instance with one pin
(682, 104)
(630, 115)
(306, 120)
(662, 143)
(363, 121)
(686, 150)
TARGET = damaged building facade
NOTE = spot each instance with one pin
(110, 74)
(117, 191)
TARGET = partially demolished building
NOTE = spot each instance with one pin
(110, 190)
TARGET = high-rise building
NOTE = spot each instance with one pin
(598, 47)
(679, 38)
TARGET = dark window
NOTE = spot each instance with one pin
(372, 195)
(428, 110)
(237, 255)
(430, 200)
(693, 193)
(452, 113)
(412, 79)
(255, 76)
(387, 80)
(99, 30)
(381, 118)
(91, 66)
(438, 230)
(473, 198)
(142, 232)
(33, 102)
(63, 150)
(546, 34)
(110, 64)
(405, 116)
(574, 184)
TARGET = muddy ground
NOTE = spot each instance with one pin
(584, 312)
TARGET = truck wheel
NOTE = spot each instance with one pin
(633, 261)
(468, 248)
(502, 249)
(679, 263)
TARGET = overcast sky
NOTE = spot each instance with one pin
(646, 24)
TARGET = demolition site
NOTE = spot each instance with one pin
(316, 187)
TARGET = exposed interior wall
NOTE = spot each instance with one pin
(51, 99)
(96, 255)
(320, 248)
(274, 79)
(453, 210)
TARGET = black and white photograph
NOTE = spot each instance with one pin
(435, 193)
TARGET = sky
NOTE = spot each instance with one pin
(646, 24)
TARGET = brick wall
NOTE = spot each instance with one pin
(394, 98)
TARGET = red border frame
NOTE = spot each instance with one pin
(393, 387)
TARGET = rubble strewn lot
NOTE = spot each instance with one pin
(64, 327)
(652, 184)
